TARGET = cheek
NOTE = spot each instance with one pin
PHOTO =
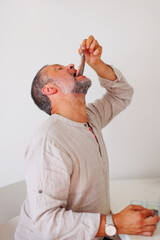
(67, 84)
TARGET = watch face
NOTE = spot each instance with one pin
(110, 230)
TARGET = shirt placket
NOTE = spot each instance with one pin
(91, 130)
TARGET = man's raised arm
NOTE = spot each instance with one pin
(118, 91)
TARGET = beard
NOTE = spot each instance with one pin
(82, 86)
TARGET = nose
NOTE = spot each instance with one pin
(70, 66)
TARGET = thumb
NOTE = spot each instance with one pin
(80, 51)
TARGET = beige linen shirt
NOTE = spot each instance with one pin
(67, 173)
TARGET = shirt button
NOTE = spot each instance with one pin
(40, 191)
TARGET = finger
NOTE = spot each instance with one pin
(94, 45)
(83, 46)
(149, 228)
(98, 51)
(146, 234)
(136, 207)
(146, 213)
(151, 220)
(80, 50)
(89, 41)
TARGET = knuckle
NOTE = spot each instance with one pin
(151, 233)
(130, 206)
(157, 219)
(139, 217)
(148, 234)
(92, 45)
(91, 37)
(154, 228)
(100, 48)
(154, 219)
(140, 228)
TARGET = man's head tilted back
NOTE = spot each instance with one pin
(53, 82)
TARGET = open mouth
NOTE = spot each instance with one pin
(77, 76)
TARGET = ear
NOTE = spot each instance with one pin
(49, 90)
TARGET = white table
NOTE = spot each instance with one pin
(140, 190)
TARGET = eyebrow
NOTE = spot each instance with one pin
(56, 65)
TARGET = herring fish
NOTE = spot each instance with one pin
(82, 64)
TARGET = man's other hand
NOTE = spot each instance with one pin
(135, 220)
(92, 50)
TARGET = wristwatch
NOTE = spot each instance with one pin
(110, 228)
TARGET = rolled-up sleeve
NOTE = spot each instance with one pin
(47, 189)
(118, 96)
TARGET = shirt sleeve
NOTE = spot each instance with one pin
(48, 183)
(117, 98)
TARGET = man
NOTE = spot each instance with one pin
(67, 171)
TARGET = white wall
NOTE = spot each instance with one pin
(38, 32)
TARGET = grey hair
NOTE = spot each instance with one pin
(40, 99)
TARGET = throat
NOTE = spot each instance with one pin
(72, 107)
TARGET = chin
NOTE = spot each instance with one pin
(82, 84)
(82, 78)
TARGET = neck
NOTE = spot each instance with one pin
(72, 108)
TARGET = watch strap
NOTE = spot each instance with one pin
(109, 220)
